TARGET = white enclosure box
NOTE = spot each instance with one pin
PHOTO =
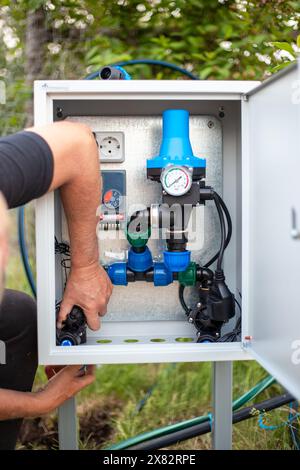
(249, 134)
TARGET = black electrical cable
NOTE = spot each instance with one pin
(204, 428)
(182, 301)
(216, 199)
(224, 208)
(229, 229)
(233, 335)
(222, 231)
(62, 248)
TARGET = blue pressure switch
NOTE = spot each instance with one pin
(176, 147)
(179, 171)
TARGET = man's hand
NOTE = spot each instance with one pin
(64, 385)
(90, 288)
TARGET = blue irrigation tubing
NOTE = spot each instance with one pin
(23, 249)
(160, 63)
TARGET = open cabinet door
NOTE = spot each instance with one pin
(271, 225)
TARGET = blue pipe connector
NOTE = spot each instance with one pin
(139, 262)
(161, 275)
(176, 146)
(177, 261)
(117, 273)
(67, 342)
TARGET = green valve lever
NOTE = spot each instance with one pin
(138, 239)
(188, 277)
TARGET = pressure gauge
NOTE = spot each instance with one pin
(112, 199)
(176, 180)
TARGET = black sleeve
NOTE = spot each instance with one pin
(26, 167)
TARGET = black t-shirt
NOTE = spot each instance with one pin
(26, 167)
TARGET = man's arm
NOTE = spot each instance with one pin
(60, 388)
(77, 174)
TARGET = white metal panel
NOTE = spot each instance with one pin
(145, 89)
(142, 136)
(271, 254)
(144, 353)
(45, 262)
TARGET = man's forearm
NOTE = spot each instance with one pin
(19, 404)
(62, 386)
(80, 199)
(77, 174)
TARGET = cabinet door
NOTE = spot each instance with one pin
(271, 225)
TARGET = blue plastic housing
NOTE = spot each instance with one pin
(176, 146)
(117, 273)
(177, 261)
(139, 262)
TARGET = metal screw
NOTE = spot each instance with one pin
(191, 320)
(210, 124)
(59, 112)
(221, 112)
(199, 305)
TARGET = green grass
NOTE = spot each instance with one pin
(182, 391)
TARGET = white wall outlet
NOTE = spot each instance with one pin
(111, 146)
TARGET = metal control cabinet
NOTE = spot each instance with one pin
(255, 153)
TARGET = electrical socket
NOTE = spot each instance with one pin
(111, 146)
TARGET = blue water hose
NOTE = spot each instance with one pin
(160, 63)
(24, 251)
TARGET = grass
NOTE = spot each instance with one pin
(182, 391)
(108, 408)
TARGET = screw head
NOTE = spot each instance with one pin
(59, 112)
(191, 320)
(210, 124)
(199, 305)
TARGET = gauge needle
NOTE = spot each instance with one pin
(175, 181)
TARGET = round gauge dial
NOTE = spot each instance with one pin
(112, 199)
(176, 180)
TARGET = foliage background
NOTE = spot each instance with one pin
(215, 39)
